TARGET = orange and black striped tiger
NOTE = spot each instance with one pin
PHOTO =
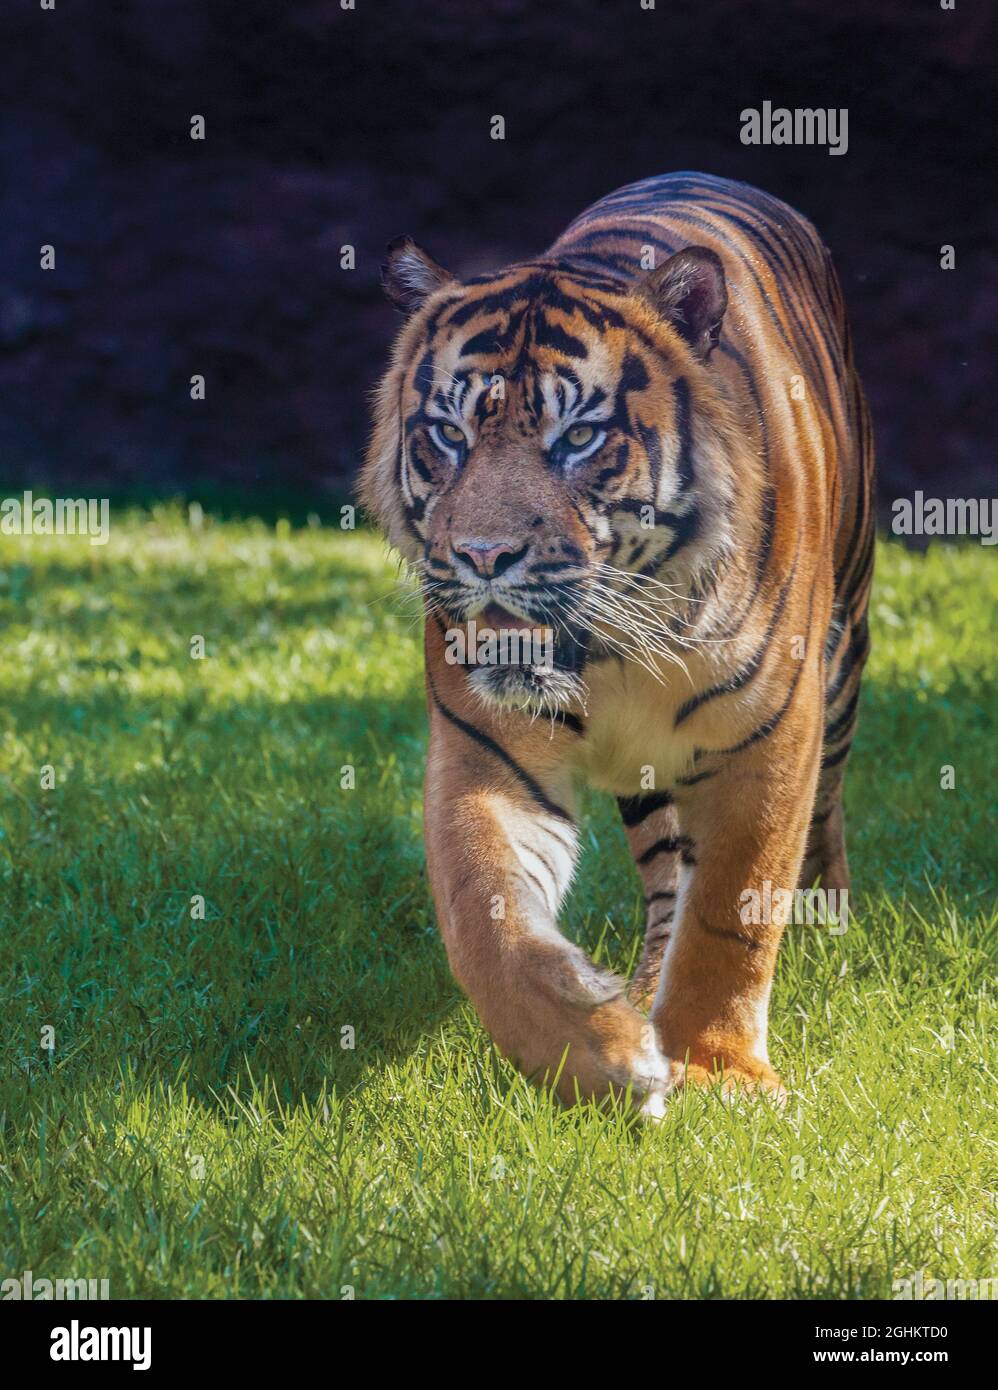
(647, 448)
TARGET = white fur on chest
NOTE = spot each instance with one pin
(630, 744)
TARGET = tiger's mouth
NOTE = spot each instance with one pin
(495, 636)
(529, 664)
(528, 656)
(499, 618)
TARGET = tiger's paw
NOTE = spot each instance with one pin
(654, 1102)
(731, 1079)
(645, 1076)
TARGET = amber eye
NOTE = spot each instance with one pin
(579, 435)
(451, 433)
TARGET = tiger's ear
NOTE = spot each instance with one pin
(689, 292)
(409, 275)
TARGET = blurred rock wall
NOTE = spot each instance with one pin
(327, 127)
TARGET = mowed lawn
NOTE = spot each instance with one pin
(288, 1096)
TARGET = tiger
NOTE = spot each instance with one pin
(649, 444)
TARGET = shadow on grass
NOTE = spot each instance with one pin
(320, 918)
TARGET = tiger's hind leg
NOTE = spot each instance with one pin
(846, 649)
(652, 827)
(826, 847)
(826, 857)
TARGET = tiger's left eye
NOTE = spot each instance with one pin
(452, 433)
(579, 435)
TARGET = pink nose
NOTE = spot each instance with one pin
(490, 558)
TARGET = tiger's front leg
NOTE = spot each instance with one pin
(745, 825)
(501, 849)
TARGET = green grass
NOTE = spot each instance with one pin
(199, 1128)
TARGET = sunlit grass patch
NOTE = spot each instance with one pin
(288, 1096)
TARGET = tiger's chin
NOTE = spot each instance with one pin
(533, 689)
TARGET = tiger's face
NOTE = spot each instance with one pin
(544, 442)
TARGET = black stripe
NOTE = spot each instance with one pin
(751, 668)
(786, 272)
(498, 301)
(698, 777)
(544, 896)
(767, 536)
(671, 844)
(555, 566)
(635, 809)
(552, 335)
(758, 413)
(690, 218)
(686, 528)
(768, 725)
(856, 652)
(846, 571)
(484, 741)
(486, 341)
(834, 731)
(836, 758)
(747, 941)
(614, 469)
(684, 457)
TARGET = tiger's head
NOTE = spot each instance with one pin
(549, 442)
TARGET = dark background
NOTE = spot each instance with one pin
(327, 127)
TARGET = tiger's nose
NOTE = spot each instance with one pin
(490, 558)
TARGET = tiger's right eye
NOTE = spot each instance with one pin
(451, 433)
